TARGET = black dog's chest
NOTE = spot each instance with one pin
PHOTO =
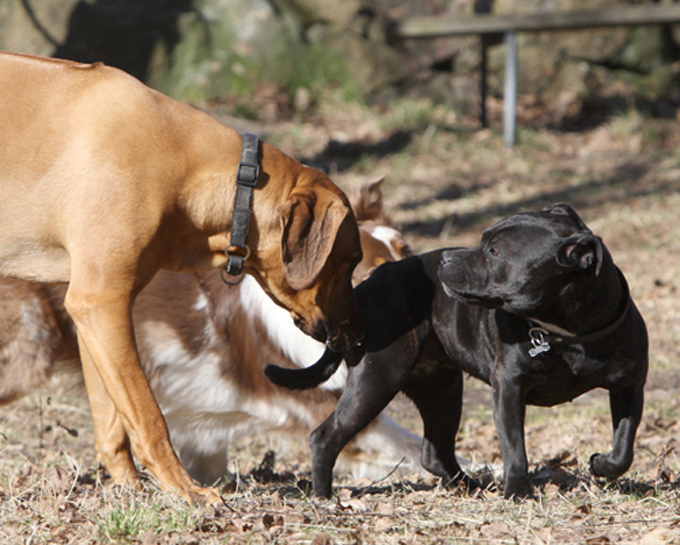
(560, 375)
(548, 379)
(494, 350)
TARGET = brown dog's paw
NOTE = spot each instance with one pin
(204, 496)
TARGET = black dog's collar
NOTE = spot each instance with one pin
(541, 339)
(246, 178)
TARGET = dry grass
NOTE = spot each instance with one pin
(445, 183)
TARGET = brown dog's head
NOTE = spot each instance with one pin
(320, 247)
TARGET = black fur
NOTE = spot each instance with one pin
(429, 318)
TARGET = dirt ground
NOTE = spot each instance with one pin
(446, 180)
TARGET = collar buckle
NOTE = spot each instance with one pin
(247, 174)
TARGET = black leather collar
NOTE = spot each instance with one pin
(246, 179)
(541, 338)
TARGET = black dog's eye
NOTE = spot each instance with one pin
(494, 252)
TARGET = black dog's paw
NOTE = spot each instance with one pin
(518, 489)
(602, 465)
(464, 482)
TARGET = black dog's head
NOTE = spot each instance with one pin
(527, 264)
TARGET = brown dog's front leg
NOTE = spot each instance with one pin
(111, 442)
(106, 337)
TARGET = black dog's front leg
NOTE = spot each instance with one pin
(371, 385)
(626, 407)
(509, 411)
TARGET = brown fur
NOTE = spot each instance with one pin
(103, 182)
(164, 313)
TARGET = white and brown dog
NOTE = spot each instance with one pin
(103, 182)
(204, 346)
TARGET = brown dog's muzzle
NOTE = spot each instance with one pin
(346, 336)
(339, 334)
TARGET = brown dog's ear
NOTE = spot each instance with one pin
(581, 251)
(310, 221)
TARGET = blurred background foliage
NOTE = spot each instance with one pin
(267, 58)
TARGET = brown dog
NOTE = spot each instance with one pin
(103, 182)
(204, 345)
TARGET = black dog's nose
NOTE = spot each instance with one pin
(451, 259)
(447, 257)
(452, 268)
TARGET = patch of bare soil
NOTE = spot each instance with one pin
(446, 182)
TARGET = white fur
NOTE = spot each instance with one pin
(388, 236)
(204, 411)
(201, 302)
(299, 347)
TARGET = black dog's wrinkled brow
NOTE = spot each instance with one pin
(506, 223)
(562, 209)
(576, 224)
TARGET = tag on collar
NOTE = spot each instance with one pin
(538, 342)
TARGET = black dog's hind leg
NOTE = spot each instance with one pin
(371, 385)
(626, 407)
(437, 392)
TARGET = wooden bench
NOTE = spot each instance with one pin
(510, 25)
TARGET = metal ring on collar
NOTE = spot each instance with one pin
(233, 255)
(231, 251)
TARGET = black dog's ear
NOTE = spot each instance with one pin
(581, 251)
(563, 209)
(560, 208)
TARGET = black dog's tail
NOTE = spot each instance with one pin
(306, 377)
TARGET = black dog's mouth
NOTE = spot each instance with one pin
(483, 300)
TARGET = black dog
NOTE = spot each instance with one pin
(538, 310)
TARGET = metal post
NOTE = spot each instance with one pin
(510, 90)
(482, 84)
(483, 7)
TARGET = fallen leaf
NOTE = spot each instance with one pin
(660, 536)
(385, 508)
(599, 540)
(383, 524)
(270, 520)
(356, 505)
(241, 525)
(322, 538)
(148, 538)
